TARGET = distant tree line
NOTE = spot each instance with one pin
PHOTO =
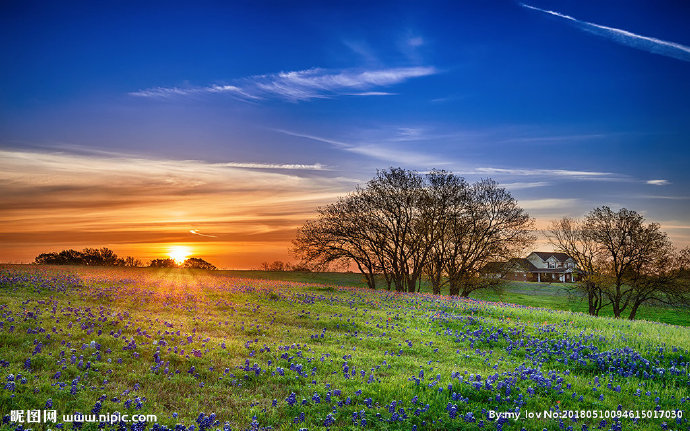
(279, 265)
(89, 256)
(403, 226)
(625, 262)
(192, 263)
(106, 257)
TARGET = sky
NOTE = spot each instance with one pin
(221, 127)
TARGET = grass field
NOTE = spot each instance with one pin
(559, 296)
(229, 350)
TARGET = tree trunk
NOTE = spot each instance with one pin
(593, 299)
(591, 302)
(616, 301)
(454, 288)
(412, 284)
(371, 280)
(399, 285)
(436, 286)
(387, 277)
(633, 310)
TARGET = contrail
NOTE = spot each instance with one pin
(624, 37)
(196, 232)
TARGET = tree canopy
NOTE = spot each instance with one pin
(625, 261)
(404, 225)
(89, 256)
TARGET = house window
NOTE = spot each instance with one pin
(570, 265)
(552, 265)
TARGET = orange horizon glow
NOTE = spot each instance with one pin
(179, 253)
(232, 217)
(229, 216)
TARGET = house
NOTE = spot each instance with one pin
(552, 266)
(540, 266)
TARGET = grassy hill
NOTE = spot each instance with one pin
(220, 351)
(559, 296)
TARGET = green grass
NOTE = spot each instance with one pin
(524, 357)
(559, 296)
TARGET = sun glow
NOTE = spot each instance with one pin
(179, 253)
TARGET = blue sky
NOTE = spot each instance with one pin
(151, 119)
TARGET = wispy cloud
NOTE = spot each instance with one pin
(196, 232)
(668, 198)
(373, 93)
(548, 204)
(525, 185)
(290, 166)
(336, 143)
(391, 153)
(658, 182)
(624, 37)
(390, 149)
(557, 138)
(363, 49)
(302, 85)
(555, 173)
(415, 41)
(65, 199)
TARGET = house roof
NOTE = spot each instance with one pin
(545, 255)
(512, 265)
(523, 263)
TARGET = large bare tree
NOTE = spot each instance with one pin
(404, 225)
(625, 262)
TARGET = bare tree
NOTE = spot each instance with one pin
(403, 225)
(449, 196)
(131, 261)
(569, 236)
(198, 263)
(658, 279)
(397, 208)
(341, 234)
(490, 227)
(634, 255)
(277, 265)
(163, 263)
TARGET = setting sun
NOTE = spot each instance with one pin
(179, 253)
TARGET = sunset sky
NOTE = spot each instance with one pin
(221, 127)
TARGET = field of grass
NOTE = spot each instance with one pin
(559, 296)
(213, 350)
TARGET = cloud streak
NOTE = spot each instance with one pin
(288, 166)
(624, 37)
(196, 232)
(391, 153)
(548, 204)
(658, 182)
(549, 173)
(302, 85)
(390, 150)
